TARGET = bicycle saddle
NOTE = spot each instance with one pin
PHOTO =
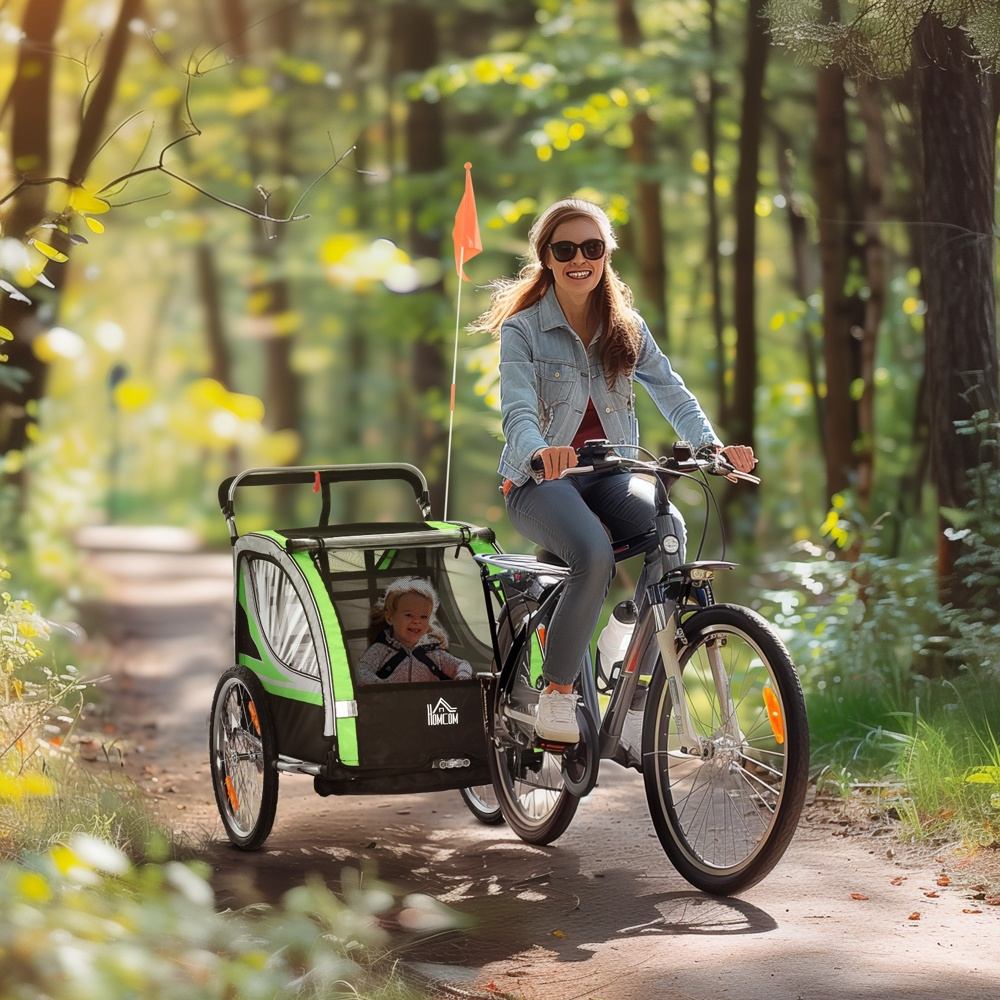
(624, 548)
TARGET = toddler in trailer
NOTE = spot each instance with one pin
(407, 641)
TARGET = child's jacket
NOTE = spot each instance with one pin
(388, 660)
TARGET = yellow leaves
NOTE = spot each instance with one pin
(618, 97)
(988, 775)
(58, 344)
(280, 448)
(245, 407)
(834, 526)
(5, 334)
(286, 323)
(248, 100)
(338, 247)
(48, 251)
(211, 416)
(350, 263)
(32, 888)
(133, 394)
(166, 97)
(544, 153)
(82, 201)
(911, 305)
(700, 161)
(15, 787)
(94, 225)
(763, 206)
(485, 70)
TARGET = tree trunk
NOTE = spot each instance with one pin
(648, 216)
(30, 155)
(876, 173)
(714, 229)
(742, 417)
(842, 313)
(30, 149)
(415, 34)
(958, 117)
(802, 280)
(282, 389)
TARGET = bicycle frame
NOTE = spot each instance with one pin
(659, 628)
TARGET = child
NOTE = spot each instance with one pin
(407, 641)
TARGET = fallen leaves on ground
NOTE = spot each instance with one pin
(914, 916)
(969, 909)
(898, 880)
(858, 895)
(558, 934)
(943, 880)
(931, 894)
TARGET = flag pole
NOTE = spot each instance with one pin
(454, 378)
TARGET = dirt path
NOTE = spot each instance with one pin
(600, 915)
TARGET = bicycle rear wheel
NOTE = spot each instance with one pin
(725, 804)
(243, 758)
(481, 801)
(529, 783)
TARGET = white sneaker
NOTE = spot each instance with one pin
(556, 718)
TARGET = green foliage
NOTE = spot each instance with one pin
(81, 922)
(975, 630)
(951, 769)
(876, 38)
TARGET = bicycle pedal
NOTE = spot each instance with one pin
(551, 746)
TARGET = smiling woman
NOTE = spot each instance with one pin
(571, 347)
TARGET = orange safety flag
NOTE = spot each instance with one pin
(465, 234)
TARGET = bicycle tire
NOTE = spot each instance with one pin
(725, 820)
(243, 758)
(535, 818)
(481, 801)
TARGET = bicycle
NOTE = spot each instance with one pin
(706, 702)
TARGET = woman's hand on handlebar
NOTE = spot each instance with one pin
(740, 457)
(554, 461)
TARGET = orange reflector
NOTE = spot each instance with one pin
(774, 715)
(253, 717)
(540, 631)
(231, 794)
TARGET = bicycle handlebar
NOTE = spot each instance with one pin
(598, 458)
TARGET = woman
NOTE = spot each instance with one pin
(570, 347)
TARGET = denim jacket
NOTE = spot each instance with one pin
(547, 376)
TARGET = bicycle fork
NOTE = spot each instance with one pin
(665, 625)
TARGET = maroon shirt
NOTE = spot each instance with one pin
(590, 427)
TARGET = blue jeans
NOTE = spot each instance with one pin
(568, 517)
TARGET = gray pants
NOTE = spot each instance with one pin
(568, 517)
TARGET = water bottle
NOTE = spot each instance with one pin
(613, 641)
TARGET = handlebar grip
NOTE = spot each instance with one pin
(537, 465)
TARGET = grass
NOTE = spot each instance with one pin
(941, 746)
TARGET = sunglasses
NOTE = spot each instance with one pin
(565, 250)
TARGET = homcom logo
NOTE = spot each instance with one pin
(442, 714)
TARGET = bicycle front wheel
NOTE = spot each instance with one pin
(725, 800)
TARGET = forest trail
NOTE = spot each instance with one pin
(600, 915)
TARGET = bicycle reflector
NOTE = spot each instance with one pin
(774, 715)
(231, 794)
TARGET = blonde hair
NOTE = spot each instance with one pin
(610, 302)
(387, 604)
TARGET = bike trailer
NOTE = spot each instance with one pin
(303, 599)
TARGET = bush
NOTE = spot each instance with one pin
(81, 922)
